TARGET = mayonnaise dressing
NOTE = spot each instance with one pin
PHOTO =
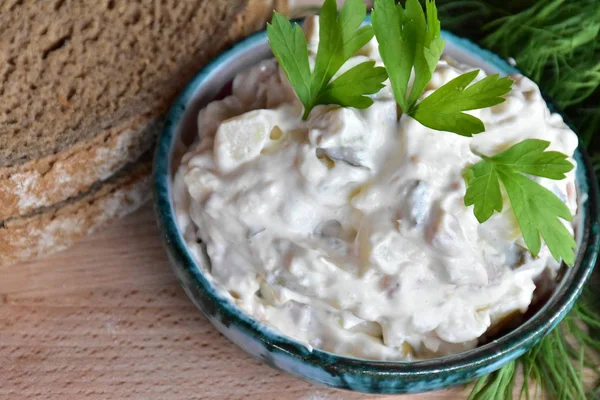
(348, 231)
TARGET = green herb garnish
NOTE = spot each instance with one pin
(554, 42)
(406, 40)
(536, 208)
(500, 387)
(410, 45)
(407, 43)
(443, 109)
(340, 37)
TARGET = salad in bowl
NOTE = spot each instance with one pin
(376, 208)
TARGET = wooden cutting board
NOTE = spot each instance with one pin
(107, 320)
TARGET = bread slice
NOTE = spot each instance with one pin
(54, 228)
(84, 84)
(54, 178)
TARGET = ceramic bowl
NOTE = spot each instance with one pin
(321, 367)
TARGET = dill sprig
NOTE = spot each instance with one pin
(551, 42)
(555, 42)
(563, 365)
(497, 386)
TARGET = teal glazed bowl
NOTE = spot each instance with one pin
(286, 354)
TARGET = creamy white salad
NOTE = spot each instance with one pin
(348, 231)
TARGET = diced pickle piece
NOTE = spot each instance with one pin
(344, 154)
(417, 201)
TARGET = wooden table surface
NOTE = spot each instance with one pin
(107, 320)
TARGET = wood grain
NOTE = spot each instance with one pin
(107, 320)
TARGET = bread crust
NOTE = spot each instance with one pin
(56, 228)
(52, 179)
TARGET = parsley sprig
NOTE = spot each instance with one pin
(536, 208)
(410, 43)
(406, 41)
(340, 37)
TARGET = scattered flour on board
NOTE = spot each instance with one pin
(110, 326)
(320, 396)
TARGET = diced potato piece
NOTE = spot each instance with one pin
(241, 139)
(378, 246)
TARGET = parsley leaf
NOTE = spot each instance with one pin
(483, 190)
(537, 211)
(530, 157)
(396, 50)
(432, 46)
(443, 109)
(407, 42)
(349, 88)
(536, 208)
(340, 37)
(289, 47)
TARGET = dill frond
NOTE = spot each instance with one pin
(498, 385)
(555, 42)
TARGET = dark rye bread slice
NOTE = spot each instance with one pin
(83, 84)
(51, 229)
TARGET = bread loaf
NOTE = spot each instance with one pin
(84, 85)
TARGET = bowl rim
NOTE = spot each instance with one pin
(492, 354)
